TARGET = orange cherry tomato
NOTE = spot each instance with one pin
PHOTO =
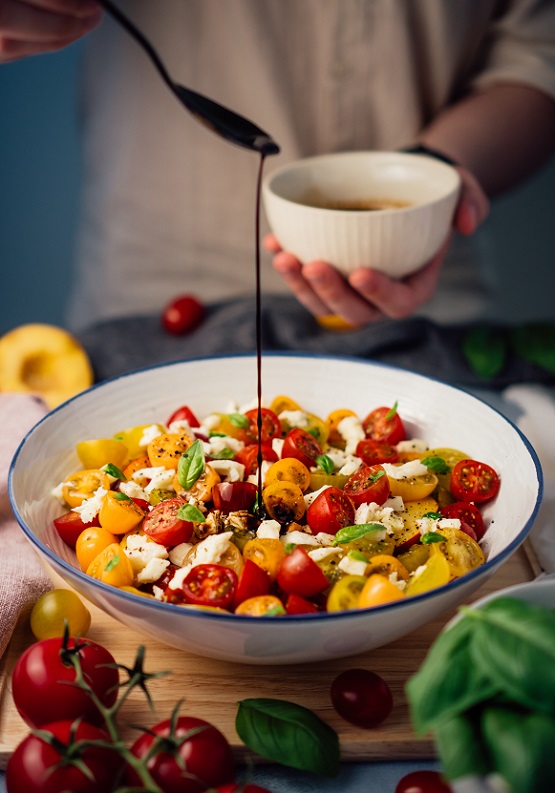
(386, 565)
(112, 566)
(267, 553)
(378, 590)
(284, 501)
(91, 542)
(261, 606)
(119, 513)
(83, 484)
(167, 449)
(288, 470)
(138, 464)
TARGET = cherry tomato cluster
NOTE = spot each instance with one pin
(275, 512)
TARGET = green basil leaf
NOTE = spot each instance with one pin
(325, 463)
(191, 465)
(114, 561)
(275, 611)
(238, 420)
(351, 533)
(535, 343)
(360, 557)
(113, 470)
(224, 454)
(191, 513)
(459, 748)
(520, 746)
(433, 515)
(485, 351)
(314, 431)
(432, 536)
(374, 478)
(290, 547)
(436, 464)
(448, 683)
(217, 435)
(287, 733)
(517, 640)
(392, 412)
(121, 496)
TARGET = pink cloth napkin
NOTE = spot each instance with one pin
(22, 577)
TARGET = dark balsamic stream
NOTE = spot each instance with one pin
(260, 512)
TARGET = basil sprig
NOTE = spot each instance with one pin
(238, 420)
(191, 465)
(487, 691)
(436, 465)
(325, 463)
(432, 536)
(289, 734)
(113, 470)
(351, 533)
(191, 513)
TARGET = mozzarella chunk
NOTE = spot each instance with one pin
(269, 529)
(152, 571)
(351, 466)
(228, 470)
(58, 494)
(414, 445)
(318, 554)
(294, 418)
(133, 490)
(90, 507)
(277, 446)
(218, 444)
(178, 553)
(350, 429)
(325, 539)
(182, 427)
(405, 471)
(427, 525)
(299, 538)
(310, 497)
(374, 513)
(352, 566)
(149, 433)
(208, 551)
(140, 550)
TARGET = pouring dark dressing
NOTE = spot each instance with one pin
(259, 509)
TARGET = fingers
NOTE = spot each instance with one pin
(291, 270)
(31, 27)
(271, 244)
(473, 206)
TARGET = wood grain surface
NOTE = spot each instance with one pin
(210, 689)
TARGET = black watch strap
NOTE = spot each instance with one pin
(438, 155)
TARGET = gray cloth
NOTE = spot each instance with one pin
(419, 345)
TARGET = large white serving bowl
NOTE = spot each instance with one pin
(441, 414)
(395, 241)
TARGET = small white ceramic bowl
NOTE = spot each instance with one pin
(396, 241)
(443, 415)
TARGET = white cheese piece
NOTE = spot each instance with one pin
(133, 490)
(182, 427)
(374, 513)
(417, 445)
(158, 592)
(350, 429)
(149, 433)
(399, 582)
(294, 418)
(253, 478)
(163, 480)
(338, 457)
(140, 550)
(310, 497)
(208, 551)
(351, 466)
(277, 446)
(90, 507)
(178, 553)
(152, 571)
(209, 423)
(395, 503)
(228, 470)
(269, 529)
(352, 566)
(318, 554)
(299, 538)
(325, 539)
(412, 468)
(218, 443)
(427, 525)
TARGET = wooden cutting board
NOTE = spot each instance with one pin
(210, 689)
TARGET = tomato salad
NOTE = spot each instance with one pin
(353, 513)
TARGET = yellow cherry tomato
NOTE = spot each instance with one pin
(416, 556)
(414, 510)
(461, 552)
(386, 565)
(281, 403)
(231, 557)
(267, 553)
(119, 513)
(137, 464)
(112, 566)
(54, 609)
(284, 501)
(260, 606)
(99, 452)
(82, 485)
(450, 457)
(334, 322)
(319, 479)
(91, 542)
(332, 421)
(167, 449)
(433, 574)
(288, 470)
(345, 593)
(377, 591)
(203, 487)
(413, 488)
(132, 438)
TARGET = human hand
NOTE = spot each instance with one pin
(33, 27)
(368, 295)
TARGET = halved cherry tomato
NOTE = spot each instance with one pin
(345, 593)
(261, 606)
(82, 485)
(284, 501)
(248, 456)
(184, 413)
(91, 542)
(230, 557)
(163, 525)
(100, 451)
(468, 513)
(112, 566)
(384, 424)
(462, 553)
(119, 513)
(281, 403)
(474, 481)
(413, 488)
(332, 421)
(435, 573)
(289, 469)
(69, 526)
(137, 464)
(300, 575)
(295, 604)
(373, 452)
(203, 488)
(377, 591)
(253, 581)
(167, 449)
(330, 511)
(368, 485)
(271, 427)
(302, 446)
(234, 496)
(386, 565)
(266, 553)
(132, 438)
(210, 585)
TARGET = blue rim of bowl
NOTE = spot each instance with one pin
(321, 616)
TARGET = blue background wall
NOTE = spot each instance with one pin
(39, 184)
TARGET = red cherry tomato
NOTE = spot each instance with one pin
(36, 766)
(183, 413)
(41, 682)
(367, 485)
(141, 503)
(253, 581)
(361, 697)
(248, 456)
(467, 513)
(206, 755)
(163, 525)
(295, 604)
(330, 511)
(210, 585)
(373, 452)
(182, 315)
(271, 427)
(474, 481)
(423, 782)
(234, 496)
(384, 424)
(301, 445)
(300, 575)
(69, 526)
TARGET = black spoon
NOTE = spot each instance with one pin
(219, 119)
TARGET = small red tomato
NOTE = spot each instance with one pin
(163, 524)
(182, 315)
(361, 697)
(300, 575)
(385, 424)
(474, 481)
(210, 585)
(234, 496)
(367, 485)
(467, 513)
(295, 604)
(69, 526)
(374, 452)
(330, 511)
(302, 446)
(248, 456)
(423, 782)
(253, 581)
(269, 424)
(184, 413)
